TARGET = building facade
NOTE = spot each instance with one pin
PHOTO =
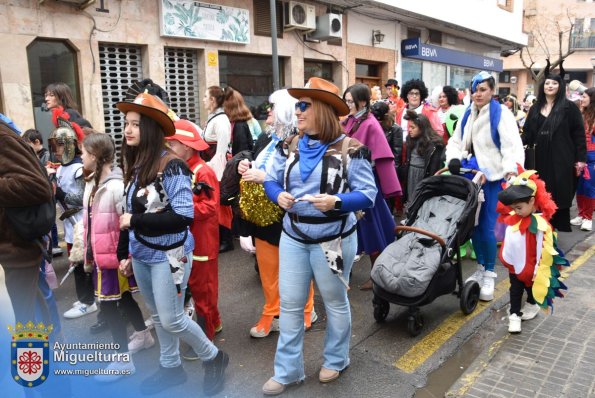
(99, 48)
(551, 26)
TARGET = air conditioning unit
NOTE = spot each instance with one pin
(328, 26)
(300, 16)
(81, 4)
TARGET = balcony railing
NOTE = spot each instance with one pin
(582, 40)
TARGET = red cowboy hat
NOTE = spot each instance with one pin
(187, 133)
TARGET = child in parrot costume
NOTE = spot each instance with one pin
(529, 249)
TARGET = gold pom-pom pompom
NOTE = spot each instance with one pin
(256, 206)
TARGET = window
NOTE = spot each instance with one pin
(503, 92)
(435, 37)
(411, 70)
(318, 69)
(460, 78)
(120, 66)
(262, 18)
(181, 82)
(504, 77)
(434, 74)
(50, 61)
(413, 33)
(366, 70)
(252, 76)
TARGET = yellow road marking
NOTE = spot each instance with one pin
(421, 351)
(427, 346)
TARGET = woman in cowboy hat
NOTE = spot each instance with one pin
(158, 213)
(320, 178)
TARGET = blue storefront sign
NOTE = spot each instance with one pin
(414, 48)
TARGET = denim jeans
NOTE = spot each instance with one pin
(484, 238)
(167, 310)
(297, 266)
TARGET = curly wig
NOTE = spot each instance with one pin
(414, 84)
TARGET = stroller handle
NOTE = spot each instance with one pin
(423, 232)
(464, 170)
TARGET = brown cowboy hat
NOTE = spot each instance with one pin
(152, 107)
(324, 91)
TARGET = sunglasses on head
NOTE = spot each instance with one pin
(302, 106)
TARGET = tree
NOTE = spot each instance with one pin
(552, 39)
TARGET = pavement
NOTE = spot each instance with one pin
(385, 360)
(553, 356)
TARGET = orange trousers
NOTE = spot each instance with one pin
(267, 256)
(204, 286)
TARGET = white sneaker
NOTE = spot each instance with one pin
(357, 258)
(149, 323)
(530, 311)
(477, 275)
(140, 341)
(57, 251)
(587, 225)
(76, 303)
(487, 288)
(80, 310)
(577, 221)
(514, 323)
(189, 308)
(117, 370)
(260, 333)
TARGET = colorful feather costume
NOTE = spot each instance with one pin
(530, 248)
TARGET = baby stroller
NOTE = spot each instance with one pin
(420, 266)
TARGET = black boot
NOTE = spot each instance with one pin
(163, 379)
(99, 327)
(215, 373)
(225, 239)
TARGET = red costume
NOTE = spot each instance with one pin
(204, 279)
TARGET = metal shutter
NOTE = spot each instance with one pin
(181, 82)
(120, 66)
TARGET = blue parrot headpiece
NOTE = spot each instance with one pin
(479, 78)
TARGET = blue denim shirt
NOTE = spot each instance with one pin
(179, 193)
(360, 180)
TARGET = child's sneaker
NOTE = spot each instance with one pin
(587, 225)
(529, 311)
(140, 341)
(80, 310)
(514, 323)
(577, 221)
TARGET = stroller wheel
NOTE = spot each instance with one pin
(469, 297)
(415, 324)
(381, 309)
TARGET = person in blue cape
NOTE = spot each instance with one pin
(487, 139)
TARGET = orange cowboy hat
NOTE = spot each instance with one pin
(187, 134)
(324, 91)
(152, 107)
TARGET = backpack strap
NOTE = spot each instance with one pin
(194, 171)
(344, 149)
(293, 144)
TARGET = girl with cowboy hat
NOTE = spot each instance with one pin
(320, 178)
(159, 211)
